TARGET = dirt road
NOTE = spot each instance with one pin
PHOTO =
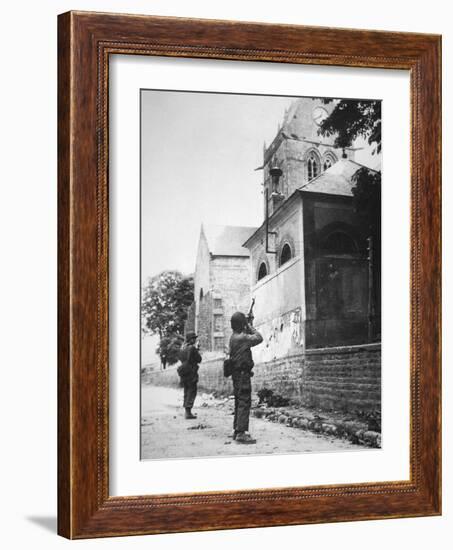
(166, 434)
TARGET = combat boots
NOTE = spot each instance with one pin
(189, 414)
(245, 438)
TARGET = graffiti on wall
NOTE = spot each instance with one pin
(282, 335)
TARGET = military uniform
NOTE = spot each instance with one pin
(188, 371)
(241, 355)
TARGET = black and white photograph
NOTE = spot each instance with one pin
(221, 327)
(260, 274)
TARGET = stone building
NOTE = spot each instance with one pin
(309, 259)
(310, 282)
(221, 283)
(308, 268)
(299, 151)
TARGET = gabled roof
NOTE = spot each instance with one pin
(227, 240)
(336, 180)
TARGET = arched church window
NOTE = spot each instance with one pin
(312, 167)
(327, 164)
(329, 161)
(339, 242)
(262, 271)
(286, 254)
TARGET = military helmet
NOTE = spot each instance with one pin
(238, 321)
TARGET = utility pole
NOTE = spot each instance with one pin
(371, 308)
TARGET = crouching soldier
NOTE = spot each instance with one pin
(244, 337)
(188, 371)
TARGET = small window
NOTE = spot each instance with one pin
(329, 160)
(218, 323)
(327, 164)
(201, 294)
(218, 343)
(286, 255)
(312, 167)
(217, 303)
(262, 272)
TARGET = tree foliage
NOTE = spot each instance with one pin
(351, 119)
(165, 299)
(367, 201)
(169, 348)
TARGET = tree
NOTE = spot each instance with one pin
(165, 299)
(168, 349)
(367, 201)
(351, 119)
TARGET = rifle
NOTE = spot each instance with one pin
(250, 316)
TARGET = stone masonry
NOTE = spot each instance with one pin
(342, 378)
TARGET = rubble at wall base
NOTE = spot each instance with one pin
(332, 379)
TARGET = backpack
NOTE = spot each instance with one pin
(183, 370)
(228, 367)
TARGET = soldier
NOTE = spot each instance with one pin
(244, 337)
(188, 372)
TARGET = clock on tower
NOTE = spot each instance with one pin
(319, 114)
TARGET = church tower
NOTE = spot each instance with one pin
(298, 153)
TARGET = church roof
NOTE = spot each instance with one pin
(227, 240)
(336, 180)
(298, 119)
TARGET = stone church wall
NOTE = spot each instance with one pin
(279, 297)
(204, 322)
(343, 378)
(202, 271)
(225, 291)
(279, 313)
(230, 283)
(336, 313)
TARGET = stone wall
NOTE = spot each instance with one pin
(222, 286)
(343, 378)
(203, 326)
(230, 279)
(210, 373)
(291, 146)
(336, 283)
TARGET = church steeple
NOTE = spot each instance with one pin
(297, 151)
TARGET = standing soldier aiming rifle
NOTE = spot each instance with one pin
(188, 372)
(244, 337)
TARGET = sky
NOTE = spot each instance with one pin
(199, 154)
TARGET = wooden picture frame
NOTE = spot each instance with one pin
(85, 42)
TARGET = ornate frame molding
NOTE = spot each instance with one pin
(86, 40)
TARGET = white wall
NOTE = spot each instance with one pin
(28, 285)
